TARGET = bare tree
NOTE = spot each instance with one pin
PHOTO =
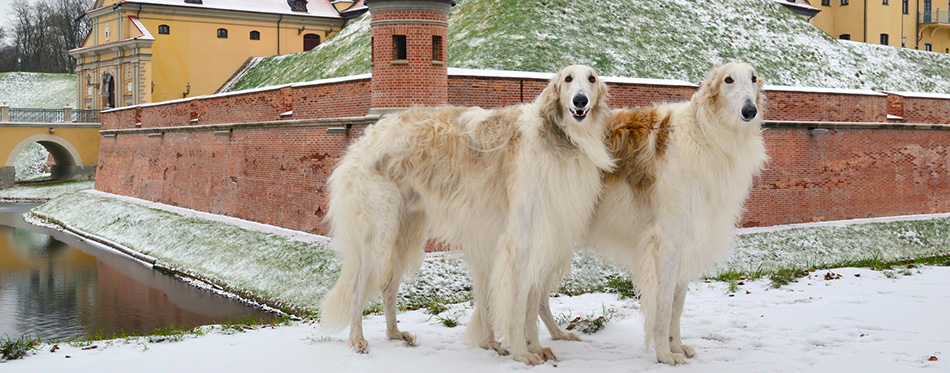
(43, 32)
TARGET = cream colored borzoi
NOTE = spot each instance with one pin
(513, 188)
(670, 207)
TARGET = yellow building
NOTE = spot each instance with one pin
(920, 24)
(141, 51)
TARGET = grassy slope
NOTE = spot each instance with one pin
(38, 90)
(675, 39)
(45, 191)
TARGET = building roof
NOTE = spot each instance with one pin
(144, 34)
(315, 8)
(797, 3)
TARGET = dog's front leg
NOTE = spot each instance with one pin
(676, 341)
(667, 272)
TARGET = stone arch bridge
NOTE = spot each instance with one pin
(74, 147)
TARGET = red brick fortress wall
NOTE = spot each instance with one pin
(264, 155)
(850, 172)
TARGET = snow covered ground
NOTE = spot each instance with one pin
(38, 90)
(863, 321)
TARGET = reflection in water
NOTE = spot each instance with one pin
(57, 286)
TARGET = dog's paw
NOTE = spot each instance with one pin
(683, 349)
(671, 358)
(530, 359)
(546, 354)
(566, 336)
(360, 345)
(409, 338)
(490, 344)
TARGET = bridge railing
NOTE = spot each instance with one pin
(32, 115)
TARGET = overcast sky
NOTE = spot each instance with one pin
(5, 6)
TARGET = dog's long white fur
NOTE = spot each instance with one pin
(670, 208)
(513, 188)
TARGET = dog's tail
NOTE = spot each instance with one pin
(364, 214)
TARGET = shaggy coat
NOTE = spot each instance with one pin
(670, 207)
(513, 188)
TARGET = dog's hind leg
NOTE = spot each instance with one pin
(531, 328)
(667, 272)
(544, 311)
(407, 248)
(676, 341)
(480, 331)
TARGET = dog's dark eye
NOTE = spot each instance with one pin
(591, 79)
(729, 80)
(568, 78)
(754, 79)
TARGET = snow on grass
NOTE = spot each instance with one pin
(864, 321)
(45, 191)
(38, 90)
(822, 247)
(30, 164)
(679, 39)
(282, 273)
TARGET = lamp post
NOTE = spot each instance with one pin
(19, 64)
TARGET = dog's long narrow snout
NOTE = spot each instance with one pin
(749, 111)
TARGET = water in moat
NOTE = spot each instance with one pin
(60, 287)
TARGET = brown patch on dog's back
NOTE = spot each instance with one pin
(630, 134)
(499, 130)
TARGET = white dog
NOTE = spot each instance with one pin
(669, 209)
(514, 188)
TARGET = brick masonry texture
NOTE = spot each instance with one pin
(276, 174)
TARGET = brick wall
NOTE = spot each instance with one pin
(850, 173)
(242, 158)
(926, 110)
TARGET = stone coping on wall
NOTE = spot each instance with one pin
(939, 96)
(853, 125)
(327, 122)
(837, 91)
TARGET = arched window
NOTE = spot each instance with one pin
(164, 29)
(223, 33)
(255, 35)
(310, 41)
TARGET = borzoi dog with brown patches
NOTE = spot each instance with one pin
(670, 207)
(513, 188)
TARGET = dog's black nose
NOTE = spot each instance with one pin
(580, 101)
(749, 112)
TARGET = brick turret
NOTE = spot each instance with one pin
(409, 53)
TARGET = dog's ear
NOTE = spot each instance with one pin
(549, 102)
(602, 95)
(709, 87)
